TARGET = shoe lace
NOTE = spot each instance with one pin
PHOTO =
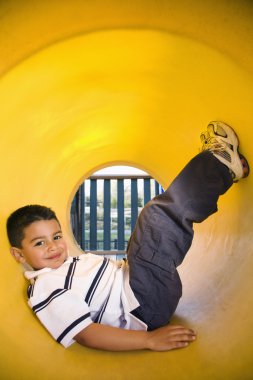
(216, 146)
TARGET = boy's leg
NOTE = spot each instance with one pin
(163, 235)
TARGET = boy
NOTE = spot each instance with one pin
(126, 306)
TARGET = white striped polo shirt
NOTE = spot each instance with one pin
(84, 289)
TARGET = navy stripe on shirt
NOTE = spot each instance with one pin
(70, 327)
(101, 313)
(96, 281)
(58, 292)
(47, 301)
(70, 274)
(30, 291)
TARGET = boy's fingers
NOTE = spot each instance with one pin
(180, 345)
(174, 327)
(179, 327)
(184, 338)
(181, 330)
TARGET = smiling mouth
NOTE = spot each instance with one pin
(55, 257)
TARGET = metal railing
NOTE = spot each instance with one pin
(103, 216)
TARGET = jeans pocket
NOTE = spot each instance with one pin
(151, 250)
(150, 240)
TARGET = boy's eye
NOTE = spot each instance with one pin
(57, 237)
(39, 243)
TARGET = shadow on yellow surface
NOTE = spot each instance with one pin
(85, 85)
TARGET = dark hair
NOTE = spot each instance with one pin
(22, 218)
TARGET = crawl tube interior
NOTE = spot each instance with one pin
(85, 85)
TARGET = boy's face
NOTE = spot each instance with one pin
(43, 245)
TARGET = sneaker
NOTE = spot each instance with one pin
(222, 141)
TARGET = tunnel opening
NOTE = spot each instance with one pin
(106, 205)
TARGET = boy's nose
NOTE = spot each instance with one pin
(52, 245)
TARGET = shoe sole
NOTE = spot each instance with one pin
(245, 164)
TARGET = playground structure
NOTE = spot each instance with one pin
(87, 84)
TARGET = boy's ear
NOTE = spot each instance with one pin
(17, 254)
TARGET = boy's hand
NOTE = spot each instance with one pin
(170, 337)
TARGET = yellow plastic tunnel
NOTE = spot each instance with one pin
(87, 84)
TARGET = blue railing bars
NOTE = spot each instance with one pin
(134, 202)
(107, 215)
(93, 214)
(103, 216)
(120, 212)
(147, 190)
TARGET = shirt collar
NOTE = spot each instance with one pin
(30, 274)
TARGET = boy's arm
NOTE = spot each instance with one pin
(115, 339)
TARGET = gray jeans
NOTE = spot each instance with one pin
(163, 234)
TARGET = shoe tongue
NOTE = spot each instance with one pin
(220, 131)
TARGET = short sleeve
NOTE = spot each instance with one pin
(64, 314)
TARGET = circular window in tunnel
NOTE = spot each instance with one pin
(105, 207)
